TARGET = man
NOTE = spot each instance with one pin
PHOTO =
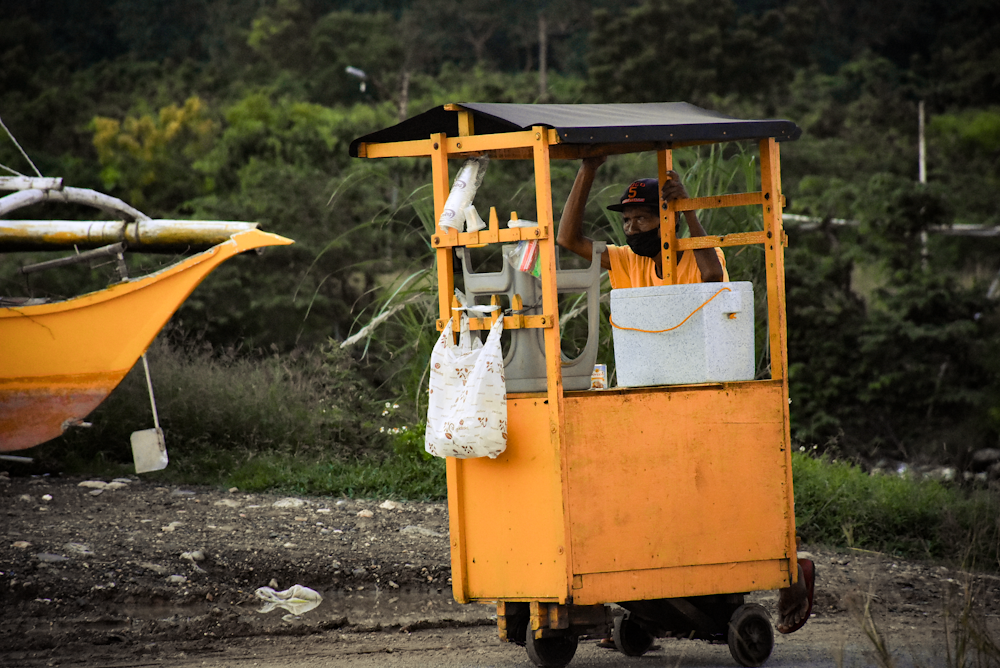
(641, 265)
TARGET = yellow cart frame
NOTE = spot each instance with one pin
(622, 494)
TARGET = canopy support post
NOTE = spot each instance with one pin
(668, 220)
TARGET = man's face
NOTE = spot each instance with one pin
(636, 219)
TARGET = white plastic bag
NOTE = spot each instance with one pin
(467, 399)
(296, 600)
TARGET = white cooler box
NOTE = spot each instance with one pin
(714, 345)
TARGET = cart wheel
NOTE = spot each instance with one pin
(630, 638)
(554, 652)
(751, 638)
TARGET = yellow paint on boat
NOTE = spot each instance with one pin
(60, 360)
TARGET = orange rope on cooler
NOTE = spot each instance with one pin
(669, 329)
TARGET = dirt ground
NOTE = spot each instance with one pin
(130, 573)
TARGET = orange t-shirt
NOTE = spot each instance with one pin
(629, 270)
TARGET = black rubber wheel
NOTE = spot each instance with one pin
(554, 652)
(630, 638)
(751, 638)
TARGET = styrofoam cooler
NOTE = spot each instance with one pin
(715, 345)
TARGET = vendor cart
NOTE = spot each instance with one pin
(670, 502)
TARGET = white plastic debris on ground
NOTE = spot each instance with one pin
(296, 599)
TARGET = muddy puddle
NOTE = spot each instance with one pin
(365, 608)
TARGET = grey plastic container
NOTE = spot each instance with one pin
(711, 346)
(524, 363)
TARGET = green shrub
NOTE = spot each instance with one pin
(837, 503)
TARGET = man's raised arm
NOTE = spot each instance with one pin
(570, 234)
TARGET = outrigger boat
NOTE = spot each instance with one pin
(61, 359)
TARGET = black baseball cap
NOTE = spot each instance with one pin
(644, 192)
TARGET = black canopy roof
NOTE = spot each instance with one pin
(677, 122)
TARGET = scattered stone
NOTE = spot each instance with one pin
(176, 579)
(393, 584)
(984, 458)
(365, 513)
(46, 497)
(273, 584)
(124, 481)
(25, 497)
(323, 510)
(96, 492)
(195, 555)
(233, 490)
(341, 503)
(228, 503)
(156, 568)
(47, 558)
(288, 545)
(93, 484)
(421, 531)
(301, 519)
(359, 571)
(289, 502)
(181, 492)
(20, 544)
(116, 485)
(334, 564)
(389, 505)
(171, 527)
(77, 548)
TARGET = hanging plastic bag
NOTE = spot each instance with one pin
(467, 399)
(524, 257)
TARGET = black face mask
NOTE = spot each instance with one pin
(646, 244)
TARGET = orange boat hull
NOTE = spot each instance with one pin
(61, 360)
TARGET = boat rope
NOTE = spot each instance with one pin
(10, 134)
(12, 171)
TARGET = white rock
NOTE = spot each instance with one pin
(289, 502)
(177, 579)
(228, 503)
(421, 531)
(365, 513)
(46, 497)
(388, 505)
(288, 545)
(93, 484)
(78, 548)
(116, 485)
(25, 497)
(124, 481)
(170, 527)
(195, 555)
(323, 510)
(21, 544)
(96, 492)
(156, 568)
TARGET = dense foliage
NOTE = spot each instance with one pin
(243, 110)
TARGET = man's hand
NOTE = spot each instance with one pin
(673, 188)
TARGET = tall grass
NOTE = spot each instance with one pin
(306, 422)
(837, 503)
